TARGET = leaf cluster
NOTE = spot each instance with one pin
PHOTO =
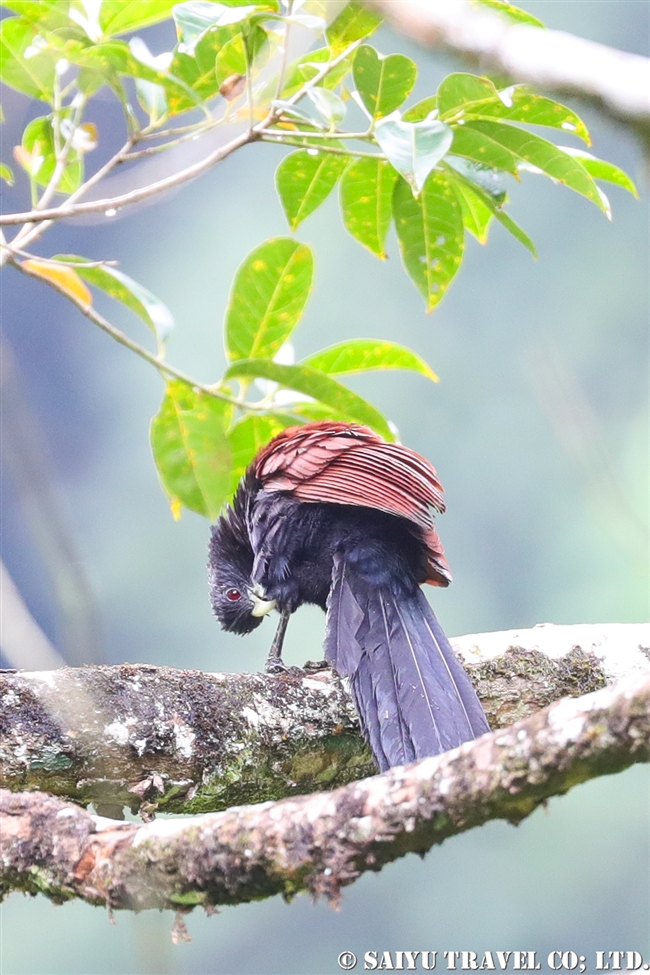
(437, 170)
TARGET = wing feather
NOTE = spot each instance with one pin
(344, 463)
(349, 464)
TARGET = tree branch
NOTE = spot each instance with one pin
(184, 741)
(323, 842)
(617, 82)
(182, 176)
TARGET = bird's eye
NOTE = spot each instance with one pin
(233, 595)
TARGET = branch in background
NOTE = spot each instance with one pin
(617, 82)
(22, 641)
(184, 741)
(323, 842)
(25, 455)
(135, 196)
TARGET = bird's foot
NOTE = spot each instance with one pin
(276, 667)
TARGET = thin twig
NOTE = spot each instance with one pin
(18, 252)
(152, 150)
(135, 196)
(163, 367)
(332, 150)
(31, 232)
(176, 179)
(179, 130)
(365, 136)
(63, 153)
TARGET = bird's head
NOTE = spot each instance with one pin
(238, 605)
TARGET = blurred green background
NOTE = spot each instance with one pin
(539, 430)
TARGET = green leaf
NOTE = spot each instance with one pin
(421, 110)
(362, 355)
(489, 180)
(194, 18)
(38, 143)
(115, 57)
(599, 169)
(267, 299)
(152, 97)
(315, 384)
(249, 436)
(471, 194)
(6, 173)
(354, 22)
(477, 214)
(52, 14)
(153, 312)
(469, 97)
(414, 148)
(367, 201)
(33, 74)
(461, 90)
(472, 144)
(383, 83)
(519, 104)
(120, 16)
(328, 104)
(430, 232)
(304, 179)
(240, 52)
(191, 449)
(516, 231)
(304, 69)
(208, 66)
(230, 60)
(543, 155)
(512, 13)
(312, 410)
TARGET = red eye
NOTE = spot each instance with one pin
(233, 595)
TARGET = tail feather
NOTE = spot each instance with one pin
(413, 697)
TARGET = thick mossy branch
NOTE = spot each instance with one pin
(321, 843)
(183, 741)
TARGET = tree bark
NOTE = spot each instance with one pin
(187, 742)
(321, 843)
(617, 82)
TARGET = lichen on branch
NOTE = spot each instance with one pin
(323, 842)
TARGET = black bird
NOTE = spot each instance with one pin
(331, 514)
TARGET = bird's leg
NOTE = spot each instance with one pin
(274, 664)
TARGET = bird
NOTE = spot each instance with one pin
(332, 514)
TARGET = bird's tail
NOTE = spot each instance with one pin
(413, 697)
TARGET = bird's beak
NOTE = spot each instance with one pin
(261, 606)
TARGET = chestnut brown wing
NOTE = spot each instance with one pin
(341, 463)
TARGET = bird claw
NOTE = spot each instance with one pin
(276, 668)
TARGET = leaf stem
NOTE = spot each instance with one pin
(17, 251)
(63, 151)
(32, 231)
(285, 53)
(163, 367)
(332, 150)
(365, 136)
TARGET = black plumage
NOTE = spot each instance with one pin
(363, 564)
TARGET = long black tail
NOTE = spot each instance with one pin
(413, 697)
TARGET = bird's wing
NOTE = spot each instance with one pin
(343, 463)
